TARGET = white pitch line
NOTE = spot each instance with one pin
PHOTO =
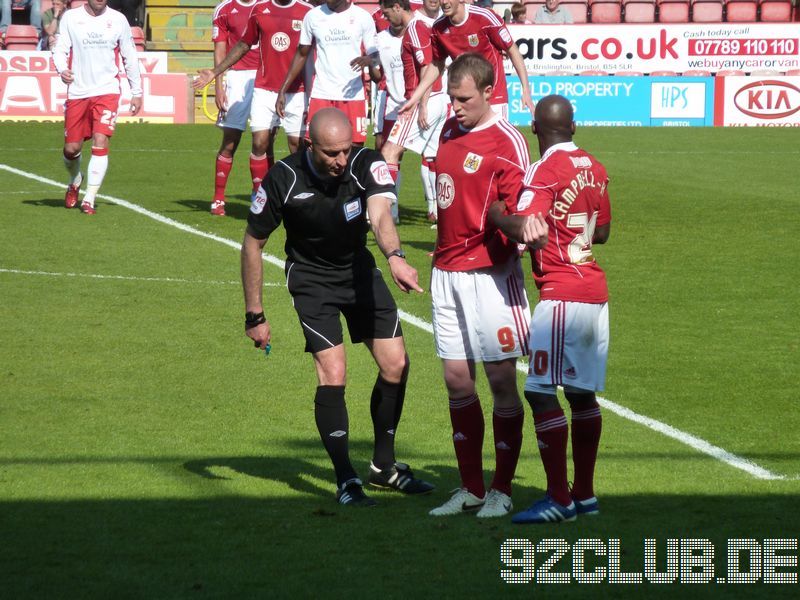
(688, 439)
(128, 277)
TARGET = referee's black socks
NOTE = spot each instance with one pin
(386, 406)
(330, 412)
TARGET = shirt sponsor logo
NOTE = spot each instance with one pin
(472, 163)
(445, 190)
(280, 41)
(352, 209)
(259, 201)
(472, 39)
(380, 173)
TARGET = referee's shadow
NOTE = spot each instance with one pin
(236, 206)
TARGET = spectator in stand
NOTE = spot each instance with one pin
(518, 14)
(50, 20)
(34, 8)
(129, 8)
(551, 13)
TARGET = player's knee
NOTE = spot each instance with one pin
(72, 150)
(541, 401)
(580, 399)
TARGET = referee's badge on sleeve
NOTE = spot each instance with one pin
(380, 172)
(259, 201)
(352, 209)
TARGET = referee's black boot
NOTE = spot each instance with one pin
(351, 493)
(398, 477)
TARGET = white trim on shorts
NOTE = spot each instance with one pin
(472, 309)
(568, 346)
(263, 115)
(239, 96)
(425, 142)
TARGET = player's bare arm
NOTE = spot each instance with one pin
(601, 234)
(231, 58)
(252, 283)
(380, 217)
(530, 229)
(427, 79)
(298, 62)
(519, 66)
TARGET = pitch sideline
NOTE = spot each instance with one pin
(688, 439)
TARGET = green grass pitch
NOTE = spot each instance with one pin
(148, 451)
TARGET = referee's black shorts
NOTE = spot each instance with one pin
(361, 295)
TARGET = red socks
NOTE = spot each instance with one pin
(587, 424)
(551, 434)
(466, 417)
(259, 166)
(507, 426)
(221, 171)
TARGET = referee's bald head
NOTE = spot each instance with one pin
(329, 123)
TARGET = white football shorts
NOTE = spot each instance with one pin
(425, 142)
(480, 315)
(568, 347)
(263, 115)
(239, 95)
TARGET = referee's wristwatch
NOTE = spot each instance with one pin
(398, 253)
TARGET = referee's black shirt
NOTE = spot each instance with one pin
(325, 219)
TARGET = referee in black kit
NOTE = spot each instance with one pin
(323, 195)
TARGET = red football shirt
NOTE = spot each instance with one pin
(482, 32)
(230, 21)
(278, 29)
(417, 52)
(475, 168)
(570, 188)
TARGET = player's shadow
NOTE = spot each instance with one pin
(410, 215)
(236, 207)
(49, 202)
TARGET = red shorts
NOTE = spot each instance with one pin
(85, 116)
(355, 110)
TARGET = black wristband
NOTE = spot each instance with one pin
(252, 319)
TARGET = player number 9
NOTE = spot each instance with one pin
(506, 338)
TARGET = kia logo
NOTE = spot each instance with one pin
(768, 99)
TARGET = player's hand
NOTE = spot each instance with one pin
(67, 76)
(136, 105)
(204, 77)
(422, 117)
(280, 105)
(404, 275)
(361, 62)
(407, 107)
(527, 101)
(534, 231)
(221, 100)
(260, 334)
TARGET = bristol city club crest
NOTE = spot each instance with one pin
(472, 163)
(472, 40)
(297, 25)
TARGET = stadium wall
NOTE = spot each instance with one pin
(30, 89)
